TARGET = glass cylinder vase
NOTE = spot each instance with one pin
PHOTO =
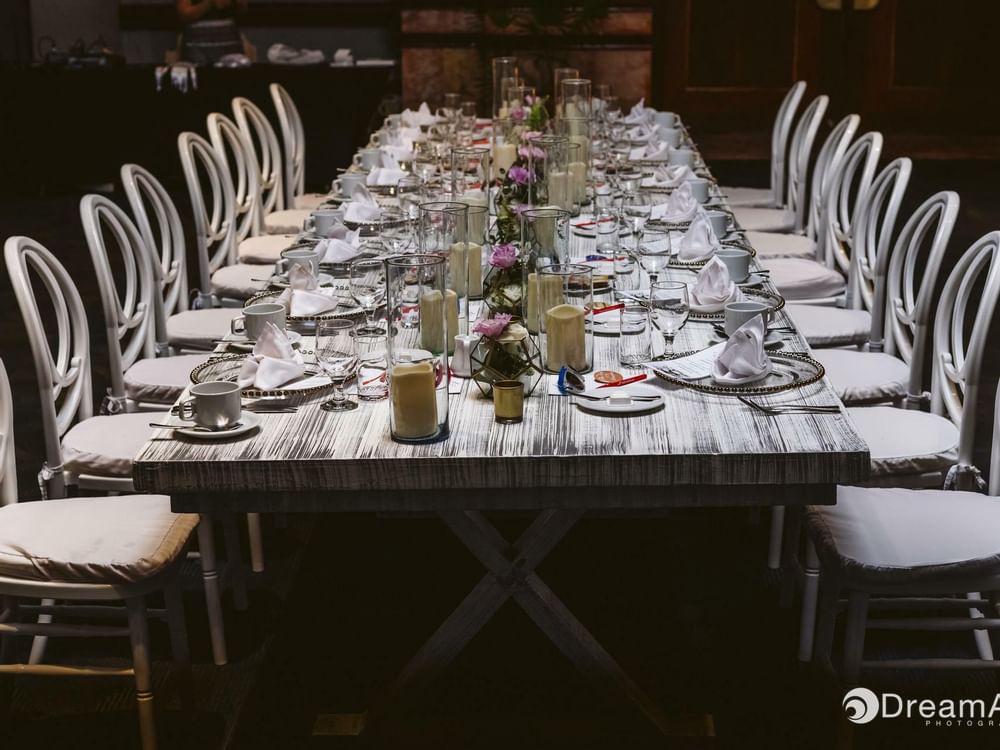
(442, 230)
(418, 357)
(506, 139)
(476, 235)
(576, 97)
(548, 178)
(544, 241)
(565, 299)
(558, 76)
(504, 72)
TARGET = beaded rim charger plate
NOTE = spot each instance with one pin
(674, 263)
(790, 370)
(344, 311)
(776, 301)
(227, 367)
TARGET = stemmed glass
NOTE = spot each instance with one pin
(337, 356)
(367, 282)
(637, 208)
(669, 307)
(653, 251)
(395, 231)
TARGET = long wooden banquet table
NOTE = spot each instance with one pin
(700, 450)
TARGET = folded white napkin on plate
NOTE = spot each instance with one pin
(713, 288)
(273, 362)
(393, 154)
(362, 206)
(743, 359)
(383, 176)
(343, 55)
(339, 230)
(655, 150)
(639, 113)
(643, 132)
(667, 176)
(680, 207)
(338, 250)
(422, 116)
(699, 241)
(304, 297)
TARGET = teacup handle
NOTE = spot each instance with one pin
(356, 160)
(242, 329)
(186, 410)
(375, 139)
(337, 186)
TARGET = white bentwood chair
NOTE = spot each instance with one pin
(773, 196)
(100, 549)
(293, 138)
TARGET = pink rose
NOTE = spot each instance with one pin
(492, 327)
(503, 256)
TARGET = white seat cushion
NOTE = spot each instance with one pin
(896, 535)
(236, 281)
(864, 377)
(777, 245)
(264, 249)
(199, 329)
(824, 326)
(765, 219)
(105, 446)
(748, 197)
(289, 221)
(803, 279)
(311, 201)
(99, 540)
(904, 442)
(161, 380)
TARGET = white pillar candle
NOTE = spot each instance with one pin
(545, 231)
(548, 296)
(584, 141)
(504, 112)
(565, 339)
(474, 259)
(435, 322)
(414, 401)
(504, 156)
(570, 110)
(578, 180)
(458, 267)
(477, 219)
(559, 188)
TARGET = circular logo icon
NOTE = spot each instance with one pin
(861, 705)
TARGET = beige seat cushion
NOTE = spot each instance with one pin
(898, 535)
(904, 442)
(199, 329)
(777, 245)
(289, 221)
(864, 377)
(748, 197)
(161, 380)
(105, 446)
(765, 219)
(311, 201)
(236, 281)
(99, 540)
(264, 249)
(803, 279)
(824, 326)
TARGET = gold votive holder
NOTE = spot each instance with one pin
(508, 401)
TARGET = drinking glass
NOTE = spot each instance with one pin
(635, 347)
(337, 355)
(373, 381)
(367, 283)
(669, 307)
(397, 235)
(636, 208)
(469, 115)
(608, 234)
(410, 193)
(653, 250)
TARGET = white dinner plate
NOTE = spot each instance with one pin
(623, 231)
(246, 345)
(635, 407)
(248, 421)
(281, 281)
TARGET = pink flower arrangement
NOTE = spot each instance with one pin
(531, 134)
(517, 114)
(492, 327)
(503, 256)
(530, 151)
(520, 175)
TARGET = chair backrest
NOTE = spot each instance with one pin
(293, 139)
(960, 340)
(912, 270)
(159, 225)
(847, 192)
(779, 139)
(830, 155)
(8, 463)
(799, 154)
(214, 217)
(236, 153)
(64, 377)
(258, 131)
(128, 302)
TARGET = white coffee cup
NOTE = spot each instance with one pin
(346, 183)
(670, 136)
(251, 323)
(719, 221)
(737, 262)
(738, 313)
(367, 158)
(681, 156)
(215, 405)
(699, 189)
(307, 257)
(323, 219)
(666, 119)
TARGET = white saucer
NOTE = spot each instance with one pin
(754, 279)
(592, 231)
(281, 281)
(244, 344)
(248, 421)
(634, 407)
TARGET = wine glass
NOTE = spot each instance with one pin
(337, 356)
(410, 193)
(653, 251)
(395, 231)
(367, 283)
(637, 208)
(669, 307)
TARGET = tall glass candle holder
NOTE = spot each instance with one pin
(441, 231)
(505, 143)
(477, 229)
(565, 299)
(578, 130)
(519, 101)
(558, 76)
(548, 171)
(578, 175)
(544, 241)
(470, 175)
(418, 357)
(576, 97)
(504, 71)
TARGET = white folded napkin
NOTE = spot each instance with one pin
(273, 362)
(339, 231)
(303, 296)
(667, 176)
(643, 132)
(639, 113)
(338, 250)
(343, 56)
(743, 359)
(699, 241)
(383, 176)
(362, 206)
(396, 152)
(422, 116)
(680, 207)
(713, 288)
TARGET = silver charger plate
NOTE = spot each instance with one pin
(227, 367)
(349, 310)
(790, 370)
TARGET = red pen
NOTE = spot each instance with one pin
(626, 381)
(608, 308)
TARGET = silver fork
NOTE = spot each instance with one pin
(772, 411)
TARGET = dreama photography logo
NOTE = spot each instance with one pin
(862, 706)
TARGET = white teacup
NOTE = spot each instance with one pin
(681, 156)
(719, 221)
(367, 158)
(307, 257)
(670, 136)
(738, 313)
(322, 220)
(251, 323)
(699, 189)
(737, 262)
(346, 183)
(666, 119)
(215, 405)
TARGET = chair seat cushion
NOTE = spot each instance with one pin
(311, 201)
(904, 442)
(803, 279)
(289, 221)
(765, 219)
(161, 380)
(748, 197)
(105, 446)
(824, 326)
(264, 249)
(236, 281)
(864, 377)
(777, 245)
(199, 329)
(99, 540)
(904, 536)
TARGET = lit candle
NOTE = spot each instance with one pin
(434, 323)
(504, 156)
(414, 401)
(578, 180)
(565, 340)
(549, 295)
(559, 188)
